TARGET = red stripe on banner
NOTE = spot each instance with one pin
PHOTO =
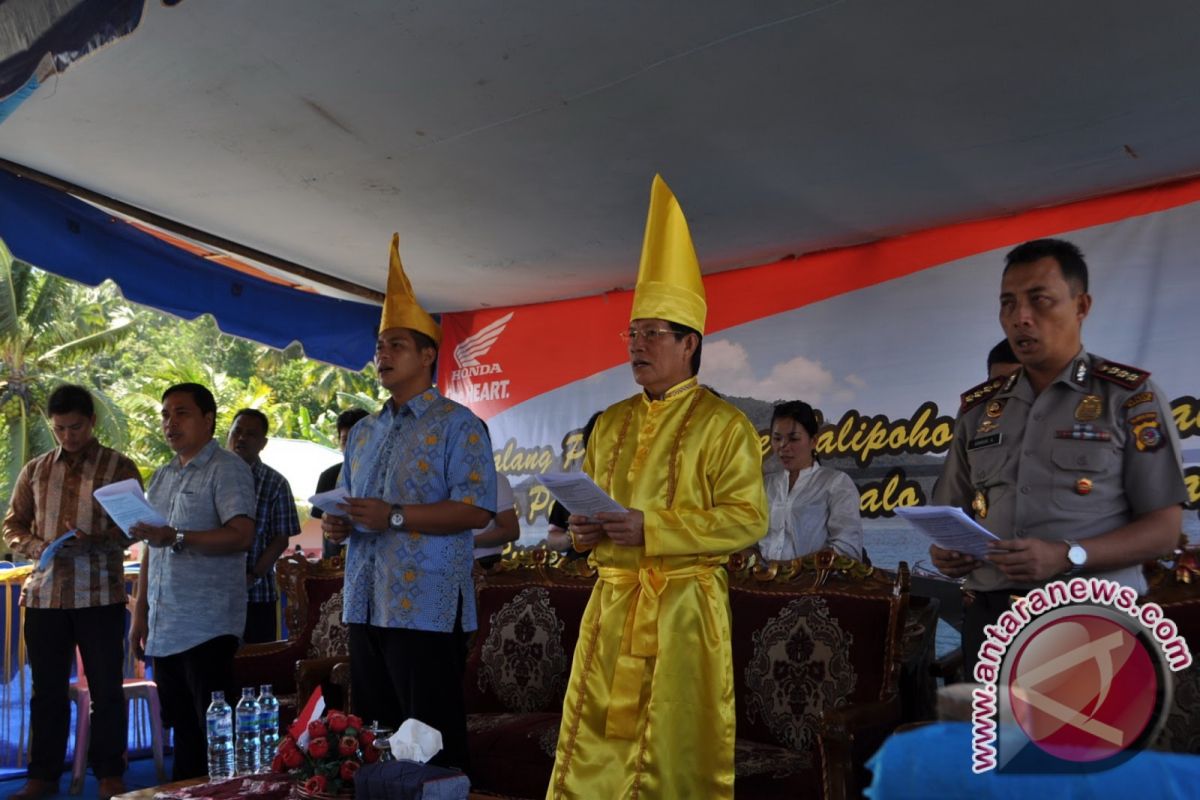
(494, 359)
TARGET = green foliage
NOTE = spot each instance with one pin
(54, 331)
(51, 333)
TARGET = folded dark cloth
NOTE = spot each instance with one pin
(409, 780)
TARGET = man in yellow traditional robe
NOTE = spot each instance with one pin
(649, 708)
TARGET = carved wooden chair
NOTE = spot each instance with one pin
(818, 644)
(817, 649)
(312, 592)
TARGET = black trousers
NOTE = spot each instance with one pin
(396, 673)
(186, 682)
(51, 636)
(980, 609)
(260, 622)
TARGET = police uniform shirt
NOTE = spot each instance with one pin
(1096, 449)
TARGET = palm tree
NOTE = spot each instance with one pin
(327, 389)
(51, 330)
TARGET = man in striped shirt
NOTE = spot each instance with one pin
(78, 600)
(275, 521)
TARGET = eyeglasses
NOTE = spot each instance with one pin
(648, 336)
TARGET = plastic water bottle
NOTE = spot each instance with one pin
(268, 715)
(248, 746)
(220, 738)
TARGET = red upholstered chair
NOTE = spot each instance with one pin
(817, 648)
(1175, 585)
(529, 613)
(316, 637)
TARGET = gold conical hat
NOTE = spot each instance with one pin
(668, 285)
(400, 306)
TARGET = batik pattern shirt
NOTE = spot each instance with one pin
(53, 493)
(427, 450)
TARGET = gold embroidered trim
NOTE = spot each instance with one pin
(672, 477)
(641, 762)
(612, 462)
(681, 388)
(569, 748)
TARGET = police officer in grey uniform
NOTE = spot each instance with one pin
(1074, 461)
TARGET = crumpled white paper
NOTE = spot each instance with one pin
(415, 741)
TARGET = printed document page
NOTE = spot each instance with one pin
(328, 501)
(127, 505)
(950, 528)
(578, 493)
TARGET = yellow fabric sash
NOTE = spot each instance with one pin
(640, 639)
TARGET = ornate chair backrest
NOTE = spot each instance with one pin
(311, 589)
(811, 635)
(529, 608)
(1175, 586)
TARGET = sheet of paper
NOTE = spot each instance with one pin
(578, 493)
(950, 528)
(52, 548)
(328, 501)
(127, 505)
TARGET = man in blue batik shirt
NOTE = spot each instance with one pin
(420, 477)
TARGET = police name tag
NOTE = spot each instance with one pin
(985, 441)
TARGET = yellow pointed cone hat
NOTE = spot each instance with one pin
(668, 284)
(400, 306)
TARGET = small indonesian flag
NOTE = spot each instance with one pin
(313, 710)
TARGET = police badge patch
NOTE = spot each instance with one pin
(1147, 433)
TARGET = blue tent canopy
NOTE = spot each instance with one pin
(59, 233)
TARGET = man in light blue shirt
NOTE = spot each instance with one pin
(191, 605)
(420, 476)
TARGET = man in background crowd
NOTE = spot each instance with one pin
(491, 540)
(77, 599)
(329, 478)
(275, 521)
(1002, 361)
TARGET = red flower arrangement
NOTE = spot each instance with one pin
(337, 746)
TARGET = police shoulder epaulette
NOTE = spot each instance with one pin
(1127, 377)
(977, 394)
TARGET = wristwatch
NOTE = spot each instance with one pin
(178, 545)
(1077, 556)
(396, 519)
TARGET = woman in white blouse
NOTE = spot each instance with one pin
(812, 507)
